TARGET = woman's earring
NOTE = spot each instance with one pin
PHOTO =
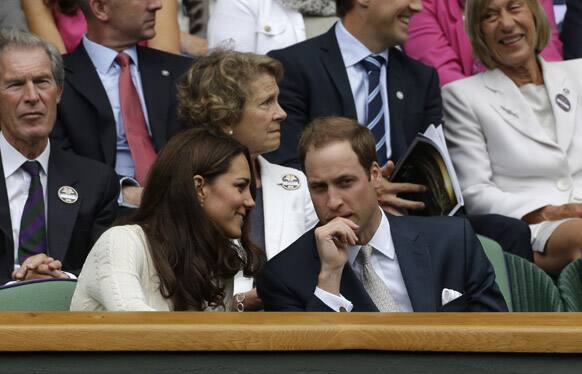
(229, 132)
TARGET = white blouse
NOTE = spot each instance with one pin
(119, 275)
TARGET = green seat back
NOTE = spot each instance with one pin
(532, 290)
(570, 285)
(49, 295)
(495, 255)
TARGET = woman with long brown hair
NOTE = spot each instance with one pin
(178, 251)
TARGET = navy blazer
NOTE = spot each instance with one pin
(433, 252)
(316, 84)
(85, 122)
(71, 228)
(572, 29)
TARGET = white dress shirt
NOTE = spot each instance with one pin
(353, 52)
(18, 183)
(385, 264)
(108, 70)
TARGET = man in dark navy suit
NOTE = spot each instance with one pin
(53, 204)
(358, 258)
(327, 76)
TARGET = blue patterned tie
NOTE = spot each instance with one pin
(32, 237)
(375, 118)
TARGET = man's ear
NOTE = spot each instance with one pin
(375, 174)
(100, 9)
(200, 186)
(363, 3)
(60, 93)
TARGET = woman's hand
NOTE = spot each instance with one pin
(554, 213)
(250, 300)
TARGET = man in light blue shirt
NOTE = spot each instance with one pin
(91, 117)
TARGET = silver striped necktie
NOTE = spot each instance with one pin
(373, 284)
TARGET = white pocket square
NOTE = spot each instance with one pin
(449, 295)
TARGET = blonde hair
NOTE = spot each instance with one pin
(474, 12)
(214, 90)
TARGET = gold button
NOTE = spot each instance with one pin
(267, 28)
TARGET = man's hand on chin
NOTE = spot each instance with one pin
(332, 241)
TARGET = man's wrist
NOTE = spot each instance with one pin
(329, 280)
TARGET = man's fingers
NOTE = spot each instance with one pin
(388, 209)
(20, 273)
(344, 236)
(388, 169)
(388, 187)
(33, 262)
(400, 203)
(55, 265)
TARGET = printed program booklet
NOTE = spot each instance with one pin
(427, 162)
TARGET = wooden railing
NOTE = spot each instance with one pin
(177, 331)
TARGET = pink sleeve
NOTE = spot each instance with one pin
(553, 51)
(428, 43)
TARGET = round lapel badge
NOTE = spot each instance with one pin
(290, 182)
(563, 102)
(68, 195)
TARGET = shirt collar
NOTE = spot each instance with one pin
(381, 241)
(12, 160)
(103, 57)
(352, 50)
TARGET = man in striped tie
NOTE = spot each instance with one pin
(358, 70)
(53, 205)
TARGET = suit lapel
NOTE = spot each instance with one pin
(334, 65)
(156, 82)
(509, 103)
(415, 265)
(395, 105)
(61, 216)
(352, 289)
(82, 76)
(6, 241)
(557, 87)
(273, 216)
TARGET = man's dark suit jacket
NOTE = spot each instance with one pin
(434, 253)
(572, 29)
(85, 122)
(316, 84)
(71, 228)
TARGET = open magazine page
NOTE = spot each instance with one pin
(427, 162)
(437, 135)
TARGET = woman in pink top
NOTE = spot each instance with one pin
(437, 37)
(62, 23)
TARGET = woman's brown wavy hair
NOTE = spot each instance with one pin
(191, 254)
(214, 90)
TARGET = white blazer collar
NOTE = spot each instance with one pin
(562, 95)
(509, 103)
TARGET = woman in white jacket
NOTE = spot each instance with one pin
(515, 131)
(236, 93)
